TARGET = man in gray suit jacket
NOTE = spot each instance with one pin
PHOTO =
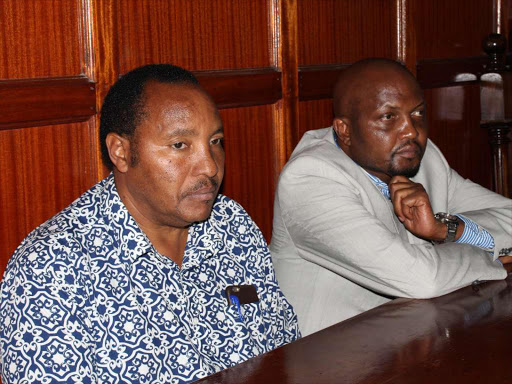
(365, 210)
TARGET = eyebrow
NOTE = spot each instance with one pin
(389, 105)
(184, 132)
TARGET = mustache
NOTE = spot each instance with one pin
(408, 143)
(209, 182)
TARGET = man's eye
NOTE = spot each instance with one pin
(179, 145)
(387, 116)
(217, 141)
(419, 113)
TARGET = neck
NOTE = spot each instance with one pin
(168, 240)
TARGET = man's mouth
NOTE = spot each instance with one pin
(203, 192)
(409, 151)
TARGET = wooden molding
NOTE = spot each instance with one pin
(242, 87)
(317, 81)
(449, 72)
(46, 101)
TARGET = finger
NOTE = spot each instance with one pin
(416, 204)
(403, 199)
(397, 183)
(399, 179)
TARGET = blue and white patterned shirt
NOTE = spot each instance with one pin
(86, 298)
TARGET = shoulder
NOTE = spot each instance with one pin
(55, 246)
(434, 168)
(235, 225)
(229, 211)
(318, 155)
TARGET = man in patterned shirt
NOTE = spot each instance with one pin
(354, 222)
(127, 284)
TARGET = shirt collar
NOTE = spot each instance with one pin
(132, 242)
(203, 240)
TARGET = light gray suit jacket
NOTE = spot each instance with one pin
(339, 249)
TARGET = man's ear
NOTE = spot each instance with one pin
(119, 151)
(343, 130)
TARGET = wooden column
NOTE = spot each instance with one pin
(496, 109)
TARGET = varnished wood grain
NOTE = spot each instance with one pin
(455, 28)
(343, 31)
(40, 38)
(454, 114)
(42, 170)
(242, 88)
(249, 175)
(449, 72)
(463, 337)
(286, 111)
(199, 34)
(317, 81)
(34, 102)
(315, 114)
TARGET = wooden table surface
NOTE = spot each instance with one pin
(463, 337)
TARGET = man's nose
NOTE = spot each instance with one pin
(206, 163)
(408, 129)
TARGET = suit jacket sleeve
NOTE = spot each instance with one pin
(489, 210)
(332, 222)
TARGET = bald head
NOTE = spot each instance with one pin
(360, 79)
(380, 118)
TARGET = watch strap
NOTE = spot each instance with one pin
(451, 222)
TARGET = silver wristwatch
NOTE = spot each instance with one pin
(451, 222)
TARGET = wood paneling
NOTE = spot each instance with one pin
(315, 114)
(446, 72)
(40, 38)
(45, 69)
(343, 31)
(454, 115)
(34, 102)
(317, 82)
(199, 34)
(249, 176)
(42, 170)
(454, 28)
(242, 88)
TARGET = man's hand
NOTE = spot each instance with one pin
(507, 262)
(412, 206)
(506, 259)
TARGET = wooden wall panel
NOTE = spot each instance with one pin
(40, 38)
(315, 114)
(249, 176)
(199, 34)
(343, 31)
(42, 170)
(449, 29)
(453, 115)
(45, 62)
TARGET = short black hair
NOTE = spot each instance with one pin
(123, 107)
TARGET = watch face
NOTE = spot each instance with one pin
(445, 217)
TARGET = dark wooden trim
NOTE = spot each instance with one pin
(242, 87)
(287, 112)
(46, 101)
(317, 81)
(449, 72)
